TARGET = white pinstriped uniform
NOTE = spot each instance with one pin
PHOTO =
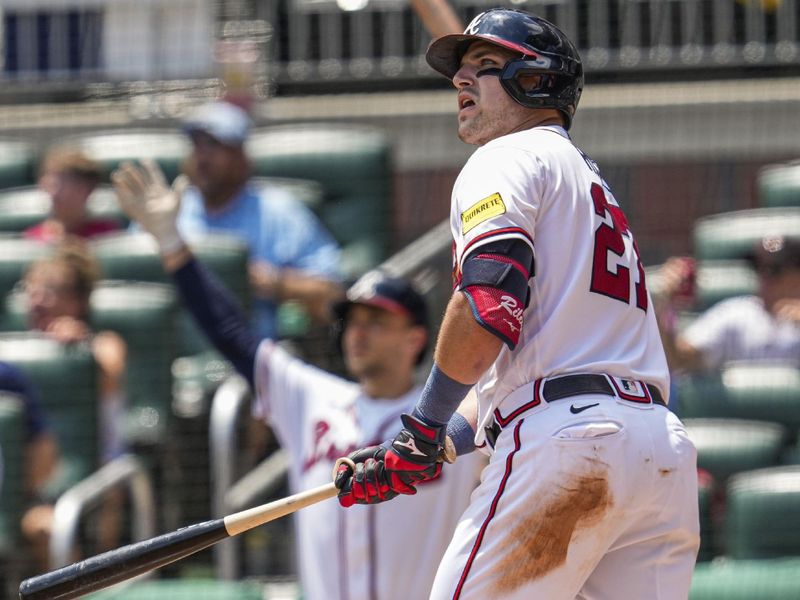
(600, 503)
(353, 554)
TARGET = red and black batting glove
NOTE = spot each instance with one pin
(383, 472)
(368, 484)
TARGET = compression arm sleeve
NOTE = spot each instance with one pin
(218, 314)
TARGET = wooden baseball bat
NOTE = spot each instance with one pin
(104, 570)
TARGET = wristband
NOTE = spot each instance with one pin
(440, 398)
(461, 433)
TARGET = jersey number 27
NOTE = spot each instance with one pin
(609, 238)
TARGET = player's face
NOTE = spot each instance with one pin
(377, 342)
(485, 110)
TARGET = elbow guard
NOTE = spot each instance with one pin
(495, 281)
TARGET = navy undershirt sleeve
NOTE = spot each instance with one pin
(12, 379)
(219, 315)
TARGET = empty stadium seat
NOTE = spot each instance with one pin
(775, 579)
(353, 165)
(766, 391)
(763, 514)
(66, 377)
(779, 185)
(17, 163)
(22, 207)
(184, 589)
(732, 235)
(728, 446)
(133, 256)
(721, 279)
(144, 314)
(12, 445)
(109, 148)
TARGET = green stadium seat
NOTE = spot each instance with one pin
(354, 166)
(764, 391)
(728, 446)
(705, 492)
(16, 254)
(12, 495)
(183, 589)
(134, 257)
(144, 314)
(22, 207)
(17, 163)
(779, 185)
(732, 235)
(763, 514)
(775, 579)
(721, 279)
(168, 148)
(66, 377)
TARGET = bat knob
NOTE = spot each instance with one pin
(343, 461)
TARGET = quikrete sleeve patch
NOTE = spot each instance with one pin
(489, 207)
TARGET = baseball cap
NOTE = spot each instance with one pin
(221, 120)
(393, 294)
(774, 254)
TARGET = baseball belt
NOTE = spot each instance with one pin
(568, 386)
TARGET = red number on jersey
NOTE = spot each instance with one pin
(609, 238)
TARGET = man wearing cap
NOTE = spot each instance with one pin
(293, 257)
(762, 326)
(319, 417)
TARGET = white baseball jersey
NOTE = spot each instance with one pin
(593, 496)
(536, 186)
(380, 552)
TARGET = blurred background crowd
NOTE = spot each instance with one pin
(118, 420)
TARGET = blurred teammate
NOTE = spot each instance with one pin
(591, 490)
(319, 417)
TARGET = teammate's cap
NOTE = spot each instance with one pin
(774, 254)
(394, 294)
(221, 120)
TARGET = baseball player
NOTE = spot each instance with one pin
(591, 488)
(319, 417)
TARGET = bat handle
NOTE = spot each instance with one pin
(343, 461)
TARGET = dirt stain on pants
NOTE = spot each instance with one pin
(539, 543)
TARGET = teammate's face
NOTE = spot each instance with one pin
(377, 342)
(485, 110)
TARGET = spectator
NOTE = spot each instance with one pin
(41, 458)
(69, 177)
(292, 257)
(58, 290)
(765, 326)
(319, 417)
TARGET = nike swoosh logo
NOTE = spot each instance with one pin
(578, 409)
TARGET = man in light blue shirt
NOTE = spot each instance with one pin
(292, 256)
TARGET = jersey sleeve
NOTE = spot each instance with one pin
(497, 196)
(285, 388)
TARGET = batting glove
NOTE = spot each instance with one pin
(143, 194)
(415, 455)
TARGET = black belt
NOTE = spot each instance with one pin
(568, 386)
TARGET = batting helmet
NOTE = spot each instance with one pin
(545, 50)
